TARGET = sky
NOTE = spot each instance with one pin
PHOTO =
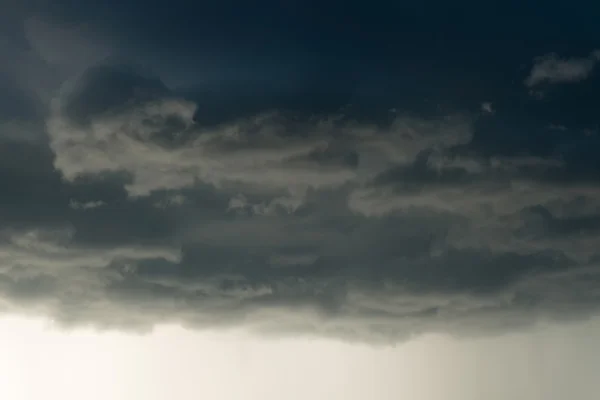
(350, 192)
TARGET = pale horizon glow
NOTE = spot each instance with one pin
(40, 361)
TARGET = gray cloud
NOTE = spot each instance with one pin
(552, 69)
(496, 196)
(135, 212)
(486, 107)
(123, 121)
(87, 205)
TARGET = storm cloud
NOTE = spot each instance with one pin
(138, 198)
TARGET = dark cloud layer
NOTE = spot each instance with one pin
(369, 200)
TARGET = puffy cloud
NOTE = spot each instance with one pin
(552, 69)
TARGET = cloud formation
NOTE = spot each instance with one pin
(552, 69)
(129, 209)
(133, 124)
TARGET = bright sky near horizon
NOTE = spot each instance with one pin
(39, 361)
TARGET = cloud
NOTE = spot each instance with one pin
(293, 290)
(136, 212)
(125, 121)
(42, 272)
(487, 107)
(497, 197)
(87, 205)
(552, 69)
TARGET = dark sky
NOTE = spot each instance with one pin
(382, 168)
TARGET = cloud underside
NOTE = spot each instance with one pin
(282, 223)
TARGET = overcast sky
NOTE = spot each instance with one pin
(353, 193)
